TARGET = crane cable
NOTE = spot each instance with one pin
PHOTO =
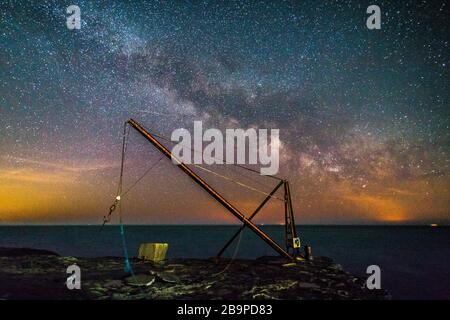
(222, 176)
(127, 266)
(159, 135)
(233, 257)
(119, 193)
(237, 182)
(118, 204)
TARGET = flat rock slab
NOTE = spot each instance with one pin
(16, 252)
(43, 276)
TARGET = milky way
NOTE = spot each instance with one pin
(363, 114)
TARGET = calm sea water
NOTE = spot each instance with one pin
(414, 261)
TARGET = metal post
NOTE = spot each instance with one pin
(308, 252)
(290, 229)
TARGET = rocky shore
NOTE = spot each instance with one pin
(41, 274)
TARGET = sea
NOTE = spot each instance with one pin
(414, 260)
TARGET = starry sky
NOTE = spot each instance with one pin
(363, 114)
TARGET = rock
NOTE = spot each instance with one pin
(113, 284)
(335, 266)
(167, 277)
(272, 260)
(291, 264)
(175, 265)
(18, 252)
(272, 289)
(263, 296)
(141, 296)
(120, 296)
(37, 277)
(68, 260)
(140, 280)
(5, 296)
(98, 293)
(342, 293)
(307, 285)
(223, 292)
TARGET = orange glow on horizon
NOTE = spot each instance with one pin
(56, 194)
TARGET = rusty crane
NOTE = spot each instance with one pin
(292, 242)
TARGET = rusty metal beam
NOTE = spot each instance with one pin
(202, 183)
(290, 229)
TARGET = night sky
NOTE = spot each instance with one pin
(363, 114)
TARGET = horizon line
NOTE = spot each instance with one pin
(444, 224)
